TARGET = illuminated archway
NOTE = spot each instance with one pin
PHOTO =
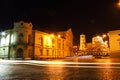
(19, 53)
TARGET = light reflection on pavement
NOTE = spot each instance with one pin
(99, 69)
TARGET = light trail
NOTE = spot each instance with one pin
(60, 62)
(63, 64)
(69, 66)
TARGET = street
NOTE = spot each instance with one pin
(98, 69)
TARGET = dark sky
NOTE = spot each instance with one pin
(83, 16)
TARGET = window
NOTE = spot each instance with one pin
(82, 36)
(63, 45)
(30, 53)
(52, 52)
(19, 53)
(53, 43)
(41, 41)
(47, 52)
(29, 39)
(63, 53)
(21, 23)
(58, 53)
(41, 52)
(21, 38)
(59, 44)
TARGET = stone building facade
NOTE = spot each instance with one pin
(22, 42)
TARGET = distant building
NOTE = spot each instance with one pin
(98, 46)
(76, 50)
(114, 40)
(82, 42)
(22, 42)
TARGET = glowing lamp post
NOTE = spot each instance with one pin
(57, 43)
(118, 3)
(59, 36)
(52, 35)
(104, 35)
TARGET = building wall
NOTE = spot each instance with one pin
(22, 42)
(43, 45)
(67, 41)
(114, 40)
(18, 41)
(48, 45)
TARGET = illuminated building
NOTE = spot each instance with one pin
(76, 50)
(22, 42)
(82, 42)
(98, 46)
(114, 40)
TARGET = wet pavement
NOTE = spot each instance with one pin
(97, 69)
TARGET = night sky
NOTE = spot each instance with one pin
(89, 17)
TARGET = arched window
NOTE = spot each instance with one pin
(21, 38)
(29, 39)
(41, 41)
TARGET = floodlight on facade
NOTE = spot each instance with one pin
(3, 33)
(104, 35)
(59, 36)
(52, 35)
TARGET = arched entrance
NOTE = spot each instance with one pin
(19, 53)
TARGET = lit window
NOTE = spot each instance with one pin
(41, 41)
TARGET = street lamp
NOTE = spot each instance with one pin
(52, 35)
(118, 3)
(59, 36)
(104, 35)
(3, 33)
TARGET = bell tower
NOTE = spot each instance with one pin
(82, 42)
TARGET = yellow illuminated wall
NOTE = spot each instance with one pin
(47, 41)
(114, 40)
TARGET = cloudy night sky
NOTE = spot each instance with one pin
(89, 17)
